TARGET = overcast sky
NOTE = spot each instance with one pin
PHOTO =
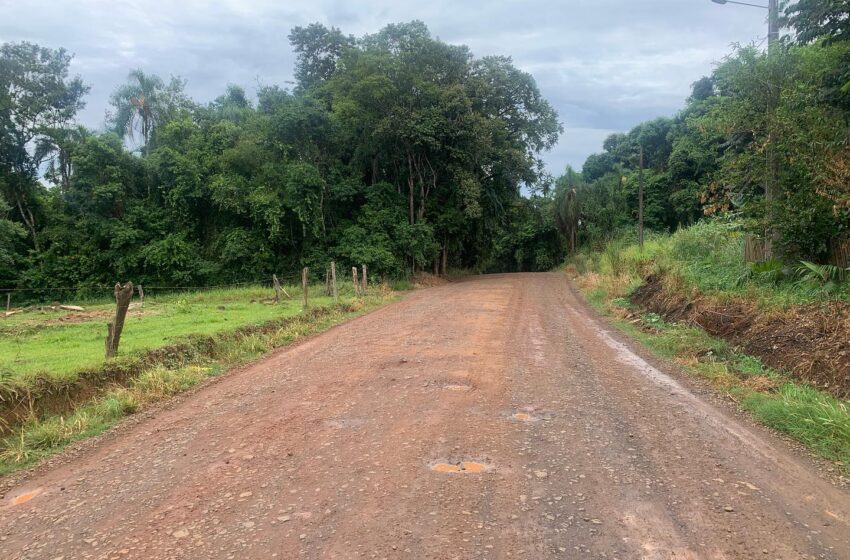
(605, 65)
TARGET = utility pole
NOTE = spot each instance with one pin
(771, 167)
(640, 201)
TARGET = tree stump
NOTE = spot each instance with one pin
(123, 295)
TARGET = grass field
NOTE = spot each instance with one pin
(45, 352)
(60, 343)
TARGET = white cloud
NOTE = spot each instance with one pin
(604, 64)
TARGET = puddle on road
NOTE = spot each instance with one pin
(25, 497)
(461, 467)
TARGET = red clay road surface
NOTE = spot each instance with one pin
(490, 418)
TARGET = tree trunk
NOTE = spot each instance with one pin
(29, 220)
(410, 185)
(445, 260)
(123, 295)
(420, 215)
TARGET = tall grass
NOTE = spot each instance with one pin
(709, 257)
(815, 418)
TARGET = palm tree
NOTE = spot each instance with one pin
(144, 103)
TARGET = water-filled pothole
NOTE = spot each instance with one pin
(461, 467)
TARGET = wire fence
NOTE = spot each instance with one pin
(49, 295)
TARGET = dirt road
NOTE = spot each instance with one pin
(352, 445)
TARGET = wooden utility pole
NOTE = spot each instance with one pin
(771, 163)
(123, 295)
(354, 281)
(640, 201)
(304, 301)
(333, 282)
(364, 281)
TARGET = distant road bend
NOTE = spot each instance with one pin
(489, 418)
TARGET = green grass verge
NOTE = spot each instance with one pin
(812, 417)
(53, 344)
(709, 257)
(40, 437)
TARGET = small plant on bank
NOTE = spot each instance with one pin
(824, 277)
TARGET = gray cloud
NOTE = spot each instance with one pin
(605, 65)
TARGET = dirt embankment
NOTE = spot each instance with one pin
(812, 342)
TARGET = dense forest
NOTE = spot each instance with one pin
(394, 150)
(783, 116)
(404, 153)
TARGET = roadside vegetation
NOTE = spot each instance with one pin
(56, 387)
(693, 292)
(395, 150)
(744, 276)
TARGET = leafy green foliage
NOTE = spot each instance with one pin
(823, 277)
(711, 158)
(395, 150)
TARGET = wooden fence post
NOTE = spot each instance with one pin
(141, 296)
(304, 300)
(327, 281)
(277, 289)
(355, 282)
(8, 302)
(755, 249)
(333, 282)
(364, 281)
(123, 295)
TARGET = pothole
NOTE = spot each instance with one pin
(528, 414)
(458, 386)
(461, 467)
(25, 497)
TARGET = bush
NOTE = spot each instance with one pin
(614, 256)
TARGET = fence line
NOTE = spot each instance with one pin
(292, 279)
(148, 287)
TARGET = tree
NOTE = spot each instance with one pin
(37, 102)
(317, 50)
(567, 212)
(144, 103)
(11, 236)
(395, 150)
(828, 20)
